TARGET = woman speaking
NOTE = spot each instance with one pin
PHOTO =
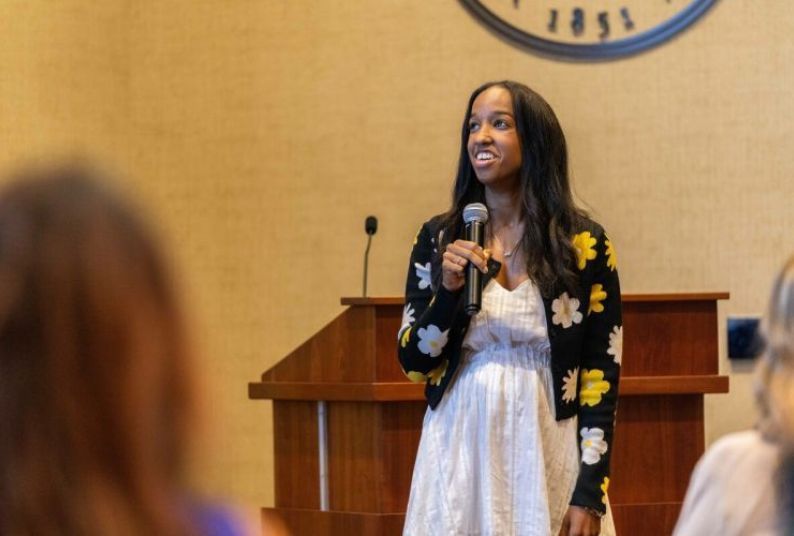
(522, 395)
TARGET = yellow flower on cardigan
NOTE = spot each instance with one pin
(612, 258)
(604, 488)
(435, 376)
(438, 373)
(583, 245)
(405, 336)
(593, 387)
(597, 295)
(416, 377)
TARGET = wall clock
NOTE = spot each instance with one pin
(587, 29)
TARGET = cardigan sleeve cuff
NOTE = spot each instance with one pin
(447, 301)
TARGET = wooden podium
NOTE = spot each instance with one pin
(347, 422)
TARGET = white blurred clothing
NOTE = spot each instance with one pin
(732, 489)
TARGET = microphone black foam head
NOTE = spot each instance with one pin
(371, 225)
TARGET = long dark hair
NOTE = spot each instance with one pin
(95, 377)
(548, 210)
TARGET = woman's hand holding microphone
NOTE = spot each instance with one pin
(456, 257)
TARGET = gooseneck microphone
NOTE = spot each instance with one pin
(371, 227)
(475, 215)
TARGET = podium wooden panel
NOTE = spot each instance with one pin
(347, 422)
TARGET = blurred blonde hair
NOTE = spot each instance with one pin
(774, 381)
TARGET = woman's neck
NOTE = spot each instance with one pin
(504, 207)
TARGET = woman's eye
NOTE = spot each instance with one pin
(473, 127)
(500, 123)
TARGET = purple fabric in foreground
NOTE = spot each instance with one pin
(215, 520)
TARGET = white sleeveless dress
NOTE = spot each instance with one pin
(492, 460)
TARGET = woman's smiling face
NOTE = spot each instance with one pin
(493, 146)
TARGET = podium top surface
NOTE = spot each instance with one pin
(660, 297)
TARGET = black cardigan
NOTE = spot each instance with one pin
(585, 332)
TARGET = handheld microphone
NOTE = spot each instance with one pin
(475, 215)
(370, 227)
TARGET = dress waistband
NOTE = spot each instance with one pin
(509, 352)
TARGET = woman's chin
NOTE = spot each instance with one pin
(497, 182)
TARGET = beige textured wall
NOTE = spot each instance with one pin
(260, 134)
(62, 71)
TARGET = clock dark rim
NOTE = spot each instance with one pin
(595, 51)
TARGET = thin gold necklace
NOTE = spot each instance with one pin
(509, 253)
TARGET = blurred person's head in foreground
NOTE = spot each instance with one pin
(774, 386)
(96, 393)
